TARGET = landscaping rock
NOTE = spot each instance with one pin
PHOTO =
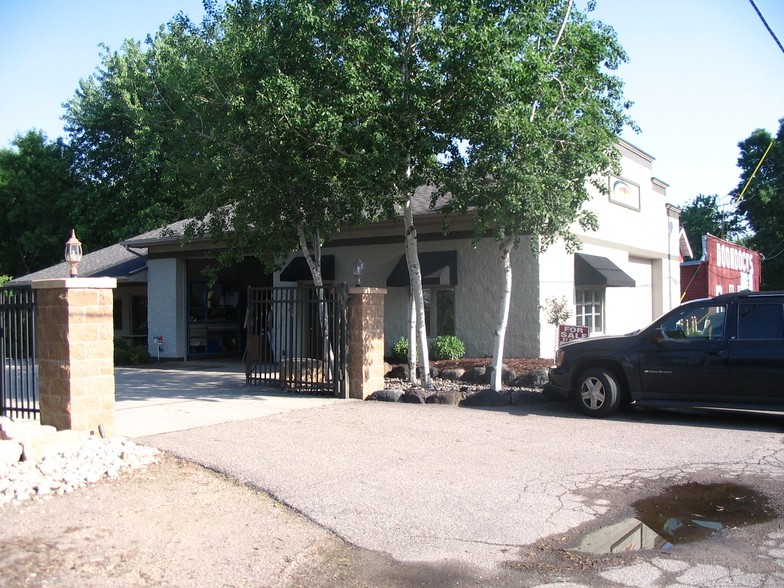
(453, 398)
(36, 448)
(399, 372)
(483, 375)
(392, 395)
(507, 375)
(10, 452)
(13, 430)
(533, 379)
(525, 397)
(486, 398)
(414, 396)
(476, 375)
(451, 374)
(433, 372)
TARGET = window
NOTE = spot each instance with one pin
(760, 321)
(589, 308)
(696, 322)
(439, 311)
(118, 314)
(138, 315)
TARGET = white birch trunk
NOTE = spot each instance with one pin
(314, 263)
(412, 337)
(314, 259)
(503, 315)
(415, 277)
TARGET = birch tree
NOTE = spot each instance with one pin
(548, 132)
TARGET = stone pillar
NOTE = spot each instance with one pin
(75, 330)
(365, 341)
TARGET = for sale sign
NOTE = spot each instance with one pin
(568, 333)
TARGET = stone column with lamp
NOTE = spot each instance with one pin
(365, 337)
(75, 333)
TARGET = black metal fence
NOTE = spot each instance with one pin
(297, 338)
(19, 381)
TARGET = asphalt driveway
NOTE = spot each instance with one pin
(434, 483)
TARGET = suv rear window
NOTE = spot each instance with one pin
(760, 321)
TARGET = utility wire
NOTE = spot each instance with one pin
(762, 18)
(754, 173)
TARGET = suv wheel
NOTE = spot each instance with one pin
(598, 392)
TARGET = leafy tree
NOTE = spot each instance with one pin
(37, 191)
(704, 216)
(762, 202)
(287, 119)
(546, 130)
(118, 130)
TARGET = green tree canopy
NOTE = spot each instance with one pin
(762, 203)
(124, 145)
(37, 193)
(705, 216)
(276, 119)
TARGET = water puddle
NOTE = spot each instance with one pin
(682, 514)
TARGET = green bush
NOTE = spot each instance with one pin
(447, 347)
(124, 354)
(400, 350)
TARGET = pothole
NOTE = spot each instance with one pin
(682, 514)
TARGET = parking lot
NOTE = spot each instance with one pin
(438, 483)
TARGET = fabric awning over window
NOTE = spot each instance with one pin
(298, 271)
(593, 270)
(439, 268)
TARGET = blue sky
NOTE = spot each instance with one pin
(703, 74)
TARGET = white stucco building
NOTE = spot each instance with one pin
(625, 275)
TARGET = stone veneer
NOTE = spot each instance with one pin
(75, 333)
(365, 341)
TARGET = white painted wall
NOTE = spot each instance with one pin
(642, 242)
(476, 293)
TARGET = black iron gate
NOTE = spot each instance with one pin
(19, 381)
(297, 338)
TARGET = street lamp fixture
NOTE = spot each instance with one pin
(358, 270)
(73, 253)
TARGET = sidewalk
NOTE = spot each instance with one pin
(177, 396)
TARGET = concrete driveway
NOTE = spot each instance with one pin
(182, 395)
(434, 483)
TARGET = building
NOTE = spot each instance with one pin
(724, 267)
(626, 274)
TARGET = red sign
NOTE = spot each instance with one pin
(568, 333)
(732, 267)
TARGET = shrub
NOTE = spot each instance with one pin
(124, 354)
(447, 347)
(400, 350)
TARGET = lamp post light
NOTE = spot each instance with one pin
(358, 270)
(73, 253)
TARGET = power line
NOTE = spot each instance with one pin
(762, 18)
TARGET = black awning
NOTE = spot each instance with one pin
(439, 268)
(298, 271)
(593, 270)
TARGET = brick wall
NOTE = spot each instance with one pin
(365, 341)
(76, 353)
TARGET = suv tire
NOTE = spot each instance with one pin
(598, 392)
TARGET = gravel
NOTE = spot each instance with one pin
(65, 471)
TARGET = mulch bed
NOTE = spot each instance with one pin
(519, 365)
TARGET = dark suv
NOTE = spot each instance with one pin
(725, 352)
